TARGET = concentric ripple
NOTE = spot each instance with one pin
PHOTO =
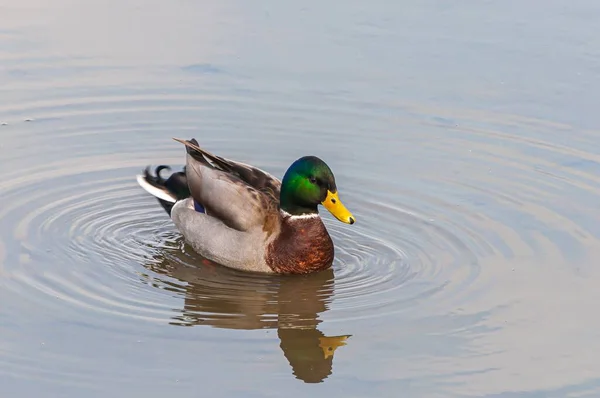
(80, 240)
(416, 237)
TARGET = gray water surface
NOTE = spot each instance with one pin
(463, 136)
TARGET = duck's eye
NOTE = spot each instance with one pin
(312, 179)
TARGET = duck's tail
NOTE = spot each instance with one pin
(168, 191)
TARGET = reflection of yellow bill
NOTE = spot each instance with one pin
(335, 206)
(330, 344)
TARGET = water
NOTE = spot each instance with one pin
(463, 136)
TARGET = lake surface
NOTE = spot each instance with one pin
(464, 136)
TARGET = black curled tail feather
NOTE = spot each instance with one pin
(175, 186)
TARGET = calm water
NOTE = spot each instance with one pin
(464, 137)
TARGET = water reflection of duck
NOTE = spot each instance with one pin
(244, 218)
(222, 298)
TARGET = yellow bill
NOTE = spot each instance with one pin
(333, 203)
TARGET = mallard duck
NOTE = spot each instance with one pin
(242, 217)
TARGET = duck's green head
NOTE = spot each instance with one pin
(307, 183)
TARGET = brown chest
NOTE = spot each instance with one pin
(302, 246)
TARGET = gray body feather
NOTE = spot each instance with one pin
(212, 239)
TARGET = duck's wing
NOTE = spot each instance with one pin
(251, 175)
(241, 196)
